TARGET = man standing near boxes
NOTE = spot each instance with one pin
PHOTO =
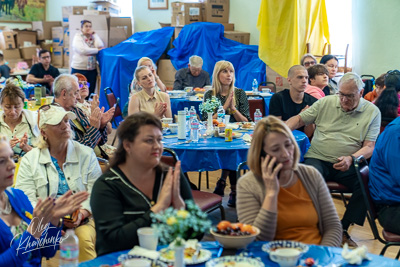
(43, 72)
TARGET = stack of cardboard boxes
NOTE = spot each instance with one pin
(18, 46)
(206, 10)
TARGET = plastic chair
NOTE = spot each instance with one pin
(208, 202)
(254, 104)
(241, 167)
(389, 239)
(336, 188)
(369, 81)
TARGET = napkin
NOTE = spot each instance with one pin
(247, 138)
(355, 256)
(139, 251)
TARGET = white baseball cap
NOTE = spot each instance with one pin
(53, 115)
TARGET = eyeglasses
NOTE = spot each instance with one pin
(82, 84)
(348, 96)
(309, 63)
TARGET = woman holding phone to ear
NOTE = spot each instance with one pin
(285, 199)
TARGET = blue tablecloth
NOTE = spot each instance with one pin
(181, 103)
(214, 153)
(326, 256)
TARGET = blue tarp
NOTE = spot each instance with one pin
(204, 39)
(118, 63)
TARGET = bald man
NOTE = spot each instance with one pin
(290, 102)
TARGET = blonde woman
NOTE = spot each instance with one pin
(146, 61)
(285, 199)
(234, 101)
(149, 99)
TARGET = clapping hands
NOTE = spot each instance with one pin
(23, 142)
(98, 117)
(160, 109)
(170, 191)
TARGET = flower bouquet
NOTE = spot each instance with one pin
(179, 225)
(210, 105)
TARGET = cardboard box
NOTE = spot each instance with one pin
(216, 11)
(125, 23)
(66, 37)
(113, 9)
(25, 36)
(57, 34)
(95, 12)
(186, 13)
(57, 59)
(66, 57)
(11, 54)
(280, 82)
(166, 71)
(28, 52)
(241, 37)
(43, 28)
(12, 63)
(71, 10)
(228, 26)
(9, 39)
(46, 46)
(177, 31)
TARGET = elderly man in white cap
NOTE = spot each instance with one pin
(192, 76)
(59, 164)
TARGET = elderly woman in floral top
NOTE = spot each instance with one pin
(235, 103)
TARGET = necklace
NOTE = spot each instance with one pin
(7, 210)
(289, 181)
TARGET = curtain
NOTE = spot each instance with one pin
(286, 26)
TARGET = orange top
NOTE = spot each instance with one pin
(371, 96)
(297, 216)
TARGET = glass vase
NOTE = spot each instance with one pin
(209, 120)
(179, 256)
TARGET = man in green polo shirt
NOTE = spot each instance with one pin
(346, 126)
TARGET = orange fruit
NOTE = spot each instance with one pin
(248, 228)
(215, 122)
(236, 226)
(222, 225)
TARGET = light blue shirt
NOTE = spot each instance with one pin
(62, 182)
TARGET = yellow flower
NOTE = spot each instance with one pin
(28, 215)
(171, 220)
(183, 214)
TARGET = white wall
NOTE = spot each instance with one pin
(376, 36)
(243, 14)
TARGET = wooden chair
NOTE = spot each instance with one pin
(327, 49)
(208, 202)
(388, 239)
(111, 101)
(254, 104)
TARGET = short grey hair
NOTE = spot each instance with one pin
(352, 77)
(64, 81)
(196, 61)
(308, 55)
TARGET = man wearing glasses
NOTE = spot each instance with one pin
(43, 72)
(346, 125)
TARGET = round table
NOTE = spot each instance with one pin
(326, 256)
(181, 103)
(210, 154)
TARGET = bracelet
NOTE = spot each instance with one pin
(234, 111)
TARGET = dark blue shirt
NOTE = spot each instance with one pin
(384, 169)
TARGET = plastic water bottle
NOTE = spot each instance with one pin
(192, 113)
(194, 130)
(221, 114)
(186, 109)
(255, 86)
(257, 115)
(69, 250)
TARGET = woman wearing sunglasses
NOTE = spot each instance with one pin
(57, 165)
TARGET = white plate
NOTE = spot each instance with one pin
(265, 94)
(204, 256)
(234, 261)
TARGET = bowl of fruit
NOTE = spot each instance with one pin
(234, 235)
